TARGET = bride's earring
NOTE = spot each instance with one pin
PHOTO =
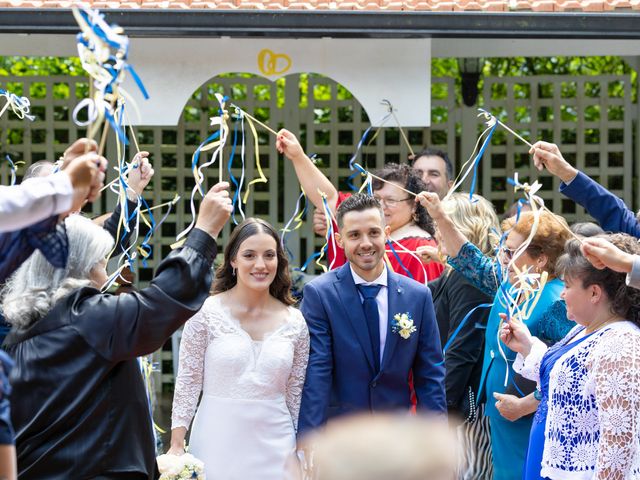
(233, 271)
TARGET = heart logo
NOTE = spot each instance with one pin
(271, 63)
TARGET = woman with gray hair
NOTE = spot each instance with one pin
(80, 408)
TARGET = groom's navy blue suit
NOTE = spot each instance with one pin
(341, 376)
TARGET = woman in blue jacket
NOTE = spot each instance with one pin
(509, 416)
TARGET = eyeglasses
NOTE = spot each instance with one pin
(507, 252)
(390, 202)
(532, 250)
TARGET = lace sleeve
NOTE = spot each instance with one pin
(529, 367)
(193, 345)
(476, 267)
(298, 370)
(616, 371)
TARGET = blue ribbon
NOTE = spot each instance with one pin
(360, 143)
(97, 29)
(138, 81)
(460, 327)
(145, 241)
(325, 247)
(166, 215)
(311, 258)
(236, 195)
(476, 160)
(13, 169)
(397, 257)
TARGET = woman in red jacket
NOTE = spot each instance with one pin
(410, 224)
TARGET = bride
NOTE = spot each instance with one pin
(247, 351)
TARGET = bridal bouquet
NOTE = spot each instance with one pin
(180, 467)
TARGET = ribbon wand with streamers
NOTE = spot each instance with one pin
(387, 103)
(538, 203)
(254, 119)
(216, 142)
(103, 50)
(492, 118)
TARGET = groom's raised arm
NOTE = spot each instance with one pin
(428, 369)
(317, 387)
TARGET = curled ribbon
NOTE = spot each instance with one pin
(14, 167)
(295, 218)
(329, 238)
(352, 160)
(256, 151)
(20, 106)
(103, 52)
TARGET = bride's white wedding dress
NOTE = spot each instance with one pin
(245, 424)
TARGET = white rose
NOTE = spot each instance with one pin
(171, 465)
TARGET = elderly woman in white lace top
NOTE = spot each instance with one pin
(246, 351)
(588, 422)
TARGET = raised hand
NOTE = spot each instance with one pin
(80, 147)
(604, 254)
(142, 172)
(429, 253)
(215, 209)
(287, 144)
(319, 223)
(431, 201)
(86, 173)
(547, 155)
(515, 335)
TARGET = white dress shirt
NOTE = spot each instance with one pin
(34, 200)
(382, 299)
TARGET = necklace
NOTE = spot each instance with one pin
(590, 329)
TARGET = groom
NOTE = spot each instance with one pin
(360, 360)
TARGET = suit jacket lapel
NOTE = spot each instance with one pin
(395, 293)
(353, 310)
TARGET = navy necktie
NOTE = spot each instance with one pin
(369, 293)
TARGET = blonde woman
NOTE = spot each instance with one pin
(460, 315)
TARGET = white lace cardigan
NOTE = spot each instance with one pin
(592, 429)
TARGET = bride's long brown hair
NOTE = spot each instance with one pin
(225, 280)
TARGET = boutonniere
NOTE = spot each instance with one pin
(403, 325)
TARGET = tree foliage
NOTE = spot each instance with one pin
(440, 67)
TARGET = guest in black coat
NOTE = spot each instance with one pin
(79, 405)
